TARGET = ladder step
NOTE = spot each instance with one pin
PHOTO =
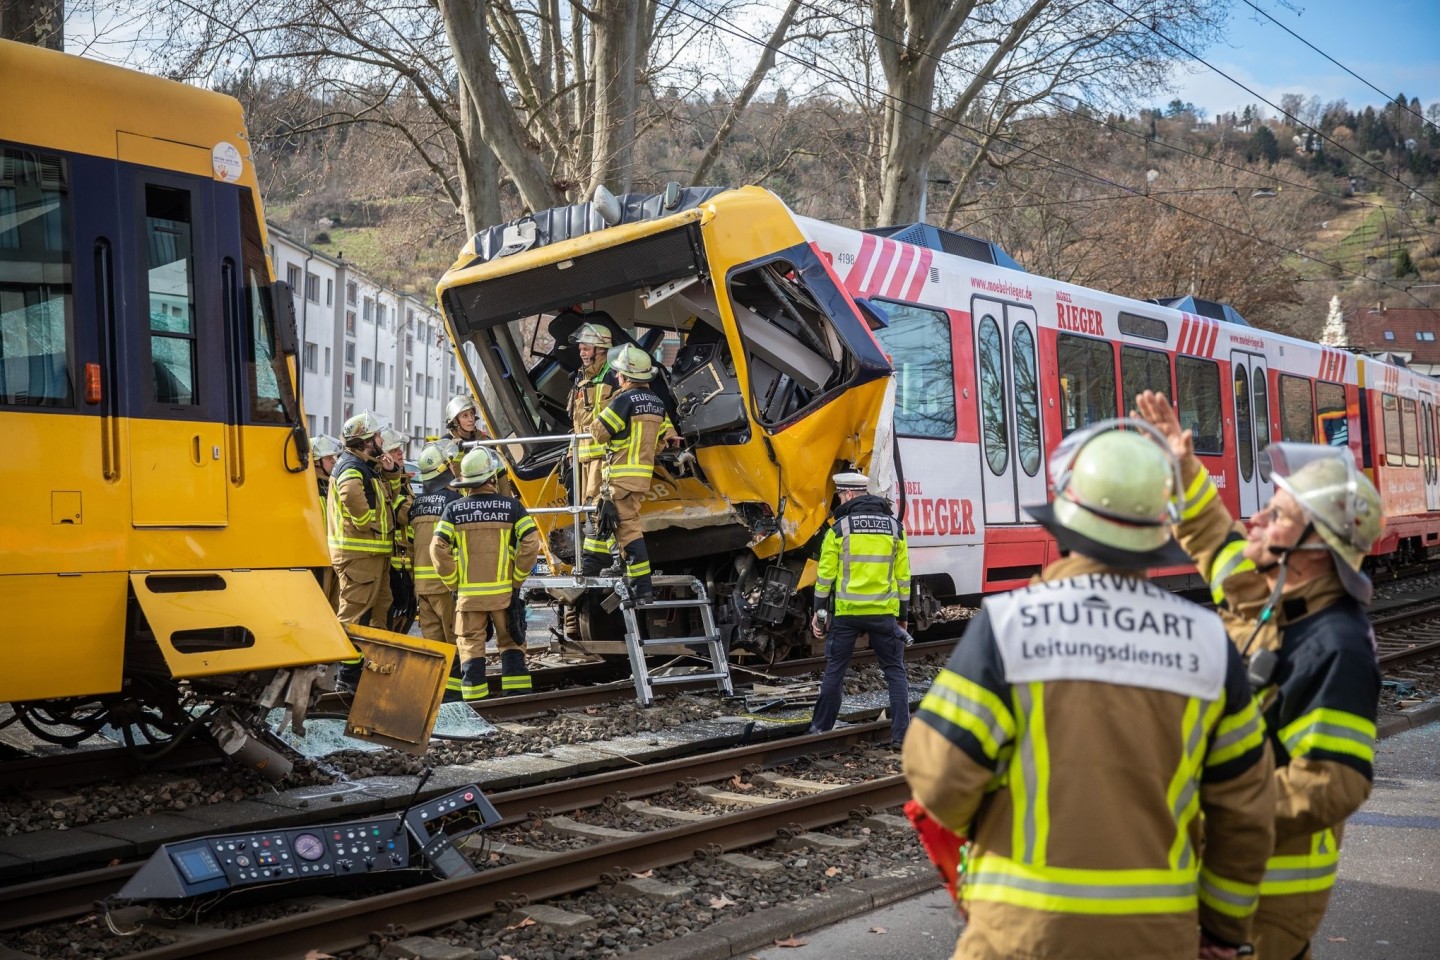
(687, 678)
(671, 641)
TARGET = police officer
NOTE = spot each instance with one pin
(632, 426)
(594, 384)
(1293, 599)
(484, 546)
(862, 586)
(1094, 736)
(439, 464)
(359, 528)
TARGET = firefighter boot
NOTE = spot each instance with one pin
(473, 686)
(595, 556)
(637, 572)
(452, 682)
(348, 677)
(514, 674)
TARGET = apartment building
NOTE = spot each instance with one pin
(363, 346)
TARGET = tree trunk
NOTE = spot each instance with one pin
(500, 129)
(616, 24)
(41, 22)
(479, 170)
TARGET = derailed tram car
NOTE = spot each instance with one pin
(928, 358)
(162, 525)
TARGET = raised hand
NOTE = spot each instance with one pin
(1156, 410)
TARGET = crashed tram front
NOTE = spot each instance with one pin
(773, 376)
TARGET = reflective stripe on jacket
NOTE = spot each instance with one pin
(864, 561)
(1116, 791)
(633, 428)
(592, 390)
(358, 516)
(424, 515)
(484, 547)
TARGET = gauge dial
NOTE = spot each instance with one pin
(309, 847)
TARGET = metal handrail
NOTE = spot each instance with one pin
(576, 510)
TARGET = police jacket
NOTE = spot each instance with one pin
(864, 561)
(1094, 736)
(1320, 704)
(425, 513)
(359, 515)
(484, 547)
(589, 394)
(632, 428)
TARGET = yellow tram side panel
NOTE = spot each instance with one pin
(737, 226)
(73, 544)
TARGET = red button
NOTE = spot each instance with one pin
(469, 796)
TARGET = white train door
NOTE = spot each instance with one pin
(1251, 390)
(1007, 379)
(1431, 454)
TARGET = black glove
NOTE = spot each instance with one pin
(517, 617)
(607, 518)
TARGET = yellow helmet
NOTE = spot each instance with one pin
(1337, 499)
(632, 363)
(479, 467)
(362, 426)
(1113, 485)
(436, 458)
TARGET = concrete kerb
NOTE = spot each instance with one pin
(730, 938)
(1427, 712)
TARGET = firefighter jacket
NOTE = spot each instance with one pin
(397, 487)
(359, 516)
(484, 547)
(425, 513)
(1320, 704)
(864, 561)
(632, 427)
(1095, 738)
(590, 393)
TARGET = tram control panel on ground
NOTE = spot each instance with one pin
(231, 861)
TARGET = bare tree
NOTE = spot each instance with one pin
(41, 22)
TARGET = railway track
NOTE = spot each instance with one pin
(543, 809)
(1407, 633)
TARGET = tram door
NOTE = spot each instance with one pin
(173, 344)
(1012, 448)
(1252, 430)
(1431, 454)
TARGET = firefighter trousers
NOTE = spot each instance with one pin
(361, 580)
(436, 613)
(472, 629)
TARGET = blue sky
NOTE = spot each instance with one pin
(1395, 44)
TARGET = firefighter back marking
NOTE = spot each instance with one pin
(1110, 629)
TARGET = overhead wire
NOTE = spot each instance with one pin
(732, 29)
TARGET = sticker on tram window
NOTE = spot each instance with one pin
(225, 160)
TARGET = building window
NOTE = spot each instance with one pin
(380, 314)
(364, 369)
(351, 292)
(327, 361)
(349, 386)
(429, 386)
(292, 277)
(312, 351)
(1087, 380)
(349, 353)
(1425, 336)
(349, 410)
(1389, 334)
(1330, 410)
(1297, 413)
(312, 288)
(325, 424)
(368, 310)
(409, 345)
(310, 422)
(329, 291)
(1197, 388)
(350, 322)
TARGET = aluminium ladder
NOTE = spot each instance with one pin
(710, 637)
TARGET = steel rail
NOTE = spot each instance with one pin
(434, 905)
(1392, 652)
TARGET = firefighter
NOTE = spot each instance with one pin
(1094, 737)
(393, 609)
(435, 603)
(358, 525)
(632, 427)
(1293, 599)
(594, 384)
(864, 561)
(462, 420)
(324, 451)
(483, 548)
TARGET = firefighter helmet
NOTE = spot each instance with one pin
(457, 406)
(479, 466)
(325, 446)
(437, 457)
(595, 334)
(1337, 499)
(362, 426)
(392, 439)
(1113, 485)
(632, 363)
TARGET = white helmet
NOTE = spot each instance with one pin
(632, 363)
(437, 457)
(392, 439)
(457, 406)
(1337, 499)
(1113, 485)
(362, 426)
(595, 334)
(325, 446)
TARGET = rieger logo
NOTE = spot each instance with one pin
(1079, 319)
